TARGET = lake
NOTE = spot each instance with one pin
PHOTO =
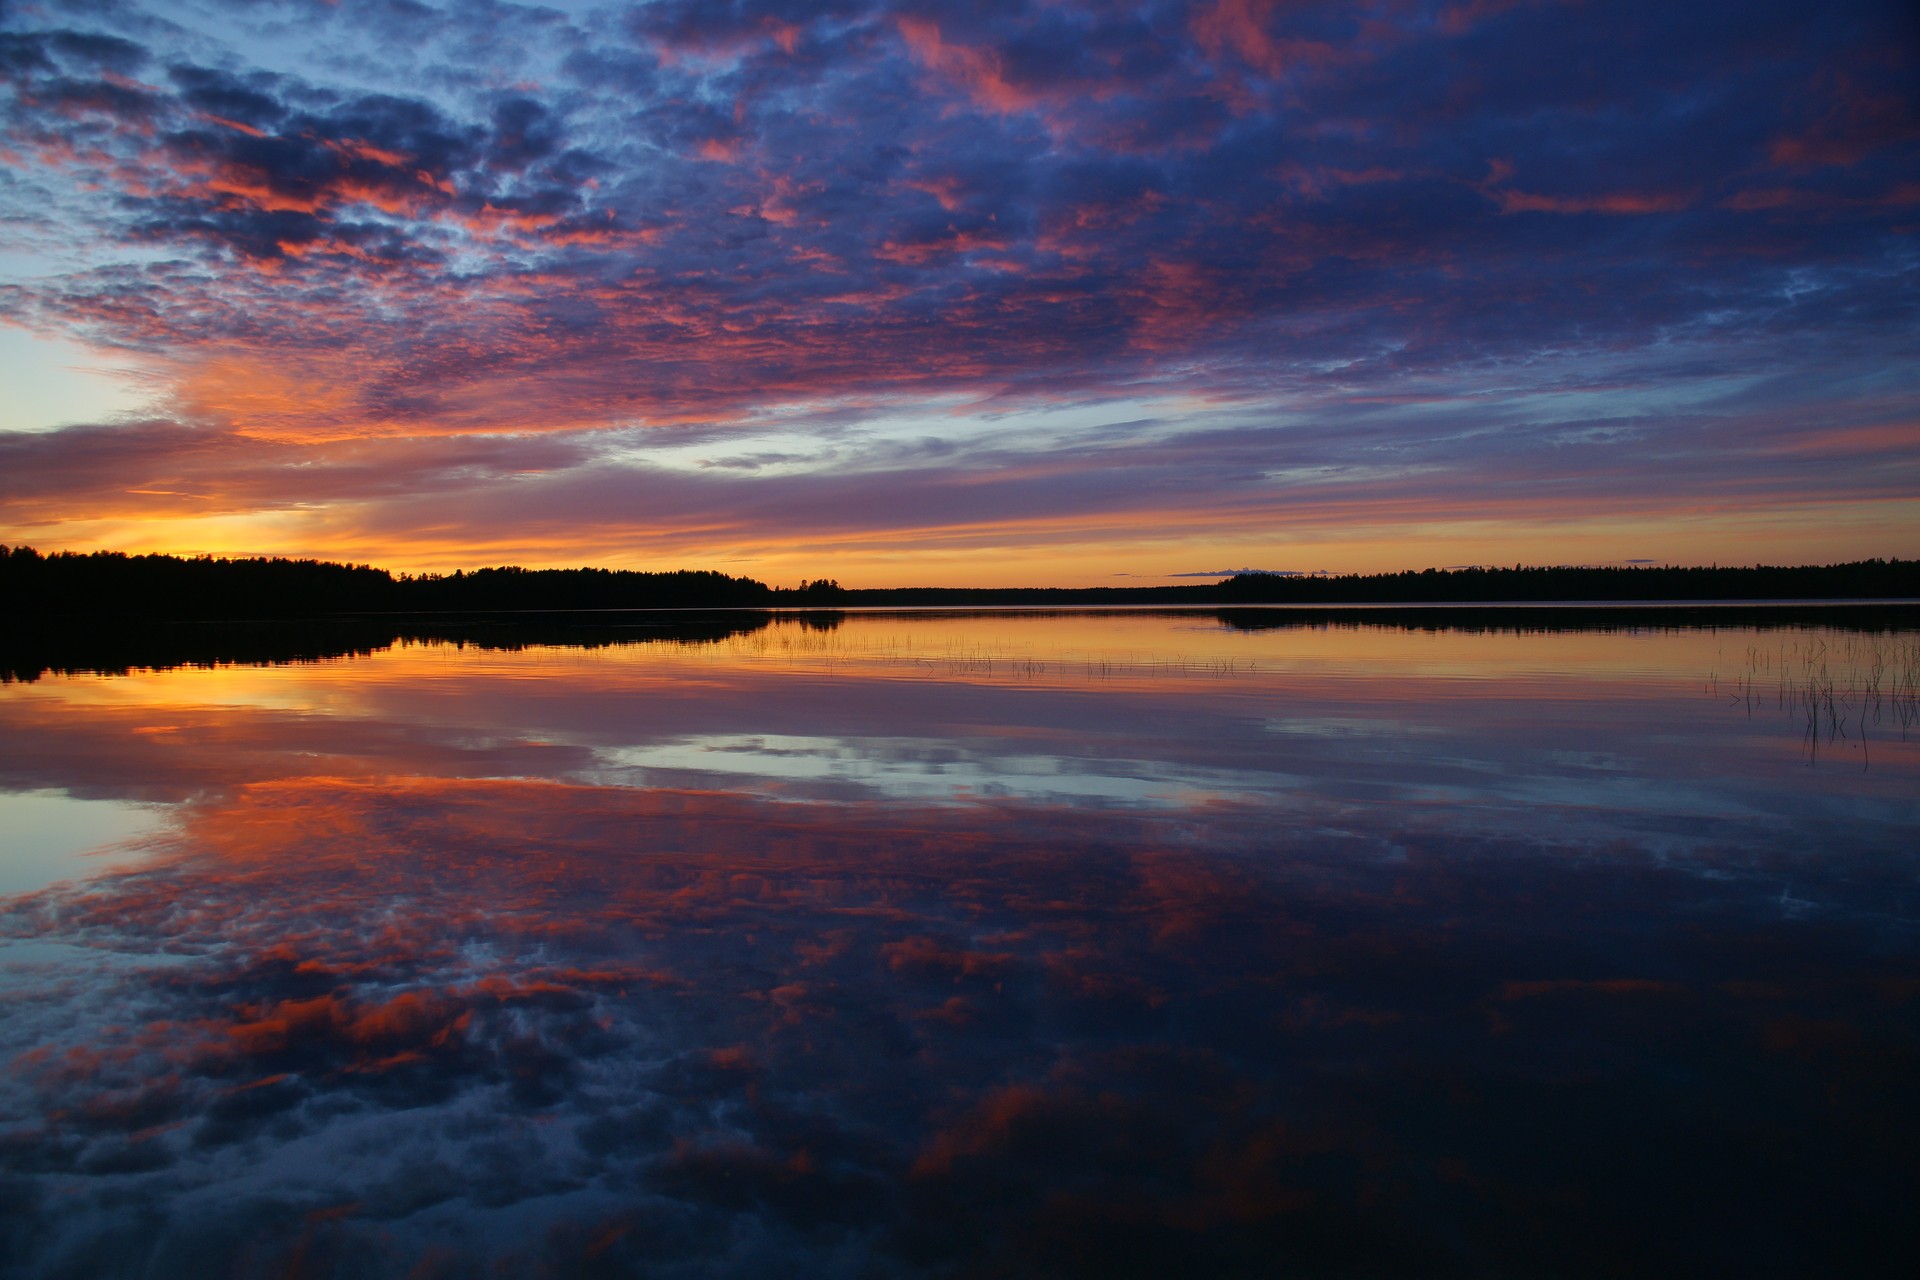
(1239, 943)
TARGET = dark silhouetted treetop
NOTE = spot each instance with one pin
(114, 584)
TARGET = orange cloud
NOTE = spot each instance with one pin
(981, 73)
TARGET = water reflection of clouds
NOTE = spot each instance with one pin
(1492, 749)
(450, 974)
(510, 1020)
(920, 768)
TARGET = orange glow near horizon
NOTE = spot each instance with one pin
(288, 462)
(1050, 553)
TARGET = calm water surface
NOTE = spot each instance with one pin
(971, 945)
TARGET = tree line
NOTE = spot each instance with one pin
(71, 585)
(104, 583)
(1856, 580)
(1522, 584)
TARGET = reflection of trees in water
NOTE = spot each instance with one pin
(1548, 618)
(92, 648)
(1840, 687)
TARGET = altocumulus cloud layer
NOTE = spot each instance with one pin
(720, 273)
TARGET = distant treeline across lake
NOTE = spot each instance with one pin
(70, 585)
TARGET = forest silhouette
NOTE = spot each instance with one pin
(110, 613)
(75, 585)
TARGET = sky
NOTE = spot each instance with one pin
(1002, 293)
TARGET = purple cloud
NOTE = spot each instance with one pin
(702, 214)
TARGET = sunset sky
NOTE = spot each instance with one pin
(999, 293)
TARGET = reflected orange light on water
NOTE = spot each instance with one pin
(1129, 707)
(1122, 652)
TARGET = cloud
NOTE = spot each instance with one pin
(716, 214)
(1228, 573)
(1321, 467)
